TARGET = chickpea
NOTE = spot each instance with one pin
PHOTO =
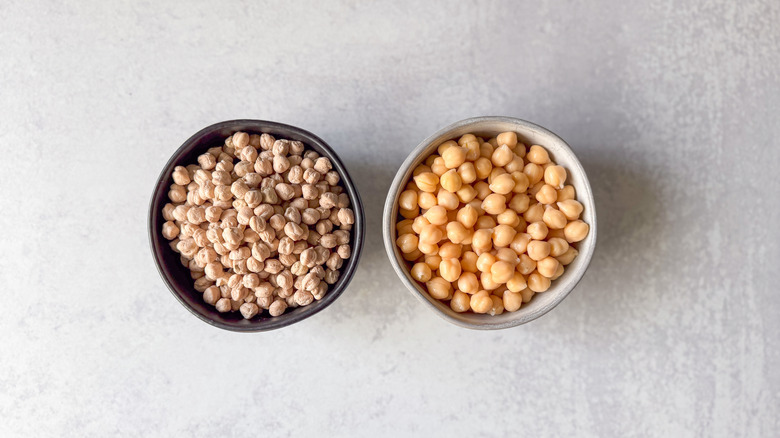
(516, 165)
(472, 150)
(537, 230)
(456, 232)
(437, 215)
(526, 265)
(538, 249)
(508, 217)
(427, 181)
(534, 213)
(428, 248)
(538, 282)
(454, 156)
(568, 257)
(485, 222)
(534, 172)
(507, 255)
(468, 261)
(516, 283)
(403, 227)
(177, 194)
(421, 272)
(555, 176)
(431, 234)
(448, 200)
(495, 173)
(426, 200)
(450, 269)
(570, 208)
(446, 145)
(512, 301)
(438, 288)
(449, 250)
(408, 200)
(451, 181)
(466, 194)
(501, 271)
(468, 283)
(554, 219)
(460, 302)
(485, 261)
(407, 243)
(575, 231)
(547, 195)
(422, 168)
(467, 172)
(433, 261)
(438, 167)
(498, 305)
(520, 242)
(482, 240)
(486, 149)
(169, 230)
(483, 167)
(503, 235)
(527, 294)
(538, 155)
(558, 272)
(520, 203)
(558, 246)
(419, 223)
(547, 266)
(494, 204)
(502, 184)
(483, 190)
(566, 193)
(501, 156)
(507, 138)
(556, 233)
(521, 181)
(481, 302)
(467, 216)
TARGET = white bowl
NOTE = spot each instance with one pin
(529, 134)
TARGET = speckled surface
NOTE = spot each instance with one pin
(671, 106)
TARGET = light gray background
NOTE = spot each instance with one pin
(671, 106)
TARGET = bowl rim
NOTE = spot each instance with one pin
(388, 223)
(157, 244)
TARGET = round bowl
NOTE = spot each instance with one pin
(177, 277)
(529, 134)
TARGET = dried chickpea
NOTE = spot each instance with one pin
(460, 302)
(547, 266)
(575, 231)
(481, 302)
(554, 219)
(538, 155)
(438, 288)
(421, 272)
(538, 282)
(456, 232)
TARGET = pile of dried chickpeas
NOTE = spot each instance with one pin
(485, 224)
(261, 223)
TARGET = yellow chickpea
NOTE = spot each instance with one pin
(408, 214)
(456, 232)
(438, 166)
(466, 193)
(516, 165)
(427, 181)
(485, 261)
(507, 138)
(404, 227)
(526, 265)
(487, 282)
(512, 301)
(407, 243)
(547, 266)
(446, 145)
(486, 150)
(520, 242)
(482, 240)
(508, 217)
(483, 190)
(421, 272)
(408, 200)
(527, 295)
(534, 213)
(533, 171)
(430, 234)
(547, 195)
(433, 261)
(570, 208)
(430, 159)
(534, 189)
(419, 223)
(483, 167)
(481, 302)
(502, 184)
(568, 257)
(503, 235)
(556, 233)
(498, 305)
(476, 204)
(558, 272)
(426, 200)
(454, 156)
(495, 173)
(538, 282)
(554, 219)
(472, 150)
(555, 176)
(537, 230)
(460, 302)
(451, 181)
(467, 173)
(437, 215)
(521, 181)
(448, 200)
(501, 271)
(422, 168)
(494, 204)
(467, 216)
(450, 269)
(438, 288)
(566, 193)
(520, 203)
(412, 256)
(575, 231)
(468, 261)
(538, 249)
(538, 155)
(412, 186)
(468, 283)
(558, 246)
(449, 250)
(501, 156)
(427, 248)
(485, 222)
(507, 255)
(516, 283)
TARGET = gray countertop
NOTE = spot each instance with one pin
(672, 108)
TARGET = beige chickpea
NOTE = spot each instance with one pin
(507, 255)
(486, 149)
(483, 166)
(408, 214)
(503, 235)
(533, 172)
(207, 161)
(502, 156)
(450, 269)
(547, 266)
(451, 181)
(538, 249)
(466, 138)
(508, 217)
(177, 194)
(454, 156)
(575, 231)
(483, 190)
(558, 246)
(554, 219)
(538, 282)
(467, 173)
(507, 138)
(526, 265)
(481, 302)
(468, 261)
(485, 261)
(436, 215)
(180, 176)
(494, 204)
(485, 222)
(446, 145)
(460, 302)
(495, 173)
(468, 216)
(437, 166)
(468, 283)
(570, 208)
(566, 193)
(419, 223)
(466, 194)
(456, 232)
(223, 305)
(537, 230)
(567, 257)
(520, 242)
(512, 301)
(482, 240)
(407, 243)
(502, 184)
(449, 250)
(169, 230)
(426, 200)
(534, 213)
(428, 248)
(421, 272)
(278, 307)
(431, 234)
(427, 181)
(408, 200)
(516, 283)
(516, 165)
(498, 305)
(501, 271)
(538, 155)
(546, 194)
(438, 288)
(448, 200)
(558, 272)
(520, 203)
(555, 176)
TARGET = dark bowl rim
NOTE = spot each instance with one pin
(347, 272)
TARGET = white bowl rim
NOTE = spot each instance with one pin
(560, 291)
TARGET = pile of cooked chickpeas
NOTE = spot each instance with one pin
(486, 223)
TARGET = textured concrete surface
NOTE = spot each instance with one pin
(671, 105)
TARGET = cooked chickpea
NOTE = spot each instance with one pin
(501, 156)
(526, 264)
(448, 200)
(547, 194)
(466, 194)
(450, 269)
(516, 283)
(503, 235)
(468, 216)
(538, 282)
(520, 203)
(555, 176)
(575, 231)
(454, 156)
(486, 149)
(556, 233)
(483, 190)
(403, 227)
(468, 283)
(407, 243)
(558, 272)
(537, 230)
(481, 302)
(566, 193)
(534, 172)
(419, 223)
(487, 282)
(554, 218)
(501, 271)
(460, 302)
(468, 261)
(408, 200)
(449, 250)
(568, 257)
(507, 138)
(498, 305)
(547, 266)
(538, 249)
(484, 222)
(438, 288)
(467, 173)
(512, 301)
(437, 215)
(421, 272)
(426, 200)
(534, 213)
(502, 184)
(485, 261)
(438, 167)
(427, 181)
(538, 155)
(494, 204)
(432, 261)
(456, 232)
(428, 248)
(570, 208)
(558, 246)
(431, 234)
(482, 240)
(483, 167)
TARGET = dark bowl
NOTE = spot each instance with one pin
(177, 277)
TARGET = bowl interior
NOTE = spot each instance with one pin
(529, 134)
(177, 277)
